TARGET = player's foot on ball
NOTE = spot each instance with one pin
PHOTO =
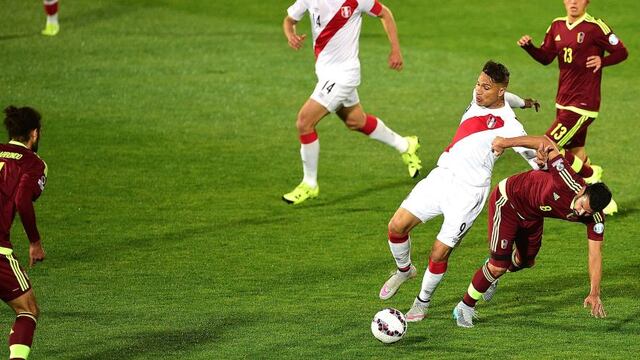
(397, 278)
(301, 193)
(610, 209)
(597, 175)
(418, 310)
(488, 295)
(51, 29)
(410, 157)
(464, 314)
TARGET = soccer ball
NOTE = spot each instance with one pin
(389, 325)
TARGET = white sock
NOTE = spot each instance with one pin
(385, 135)
(310, 154)
(401, 252)
(430, 282)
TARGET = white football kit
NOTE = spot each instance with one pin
(335, 25)
(458, 187)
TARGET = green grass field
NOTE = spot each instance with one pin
(169, 134)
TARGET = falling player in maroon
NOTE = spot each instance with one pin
(22, 179)
(517, 208)
(579, 41)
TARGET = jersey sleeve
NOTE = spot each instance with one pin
(595, 226)
(30, 188)
(513, 100)
(609, 42)
(563, 175)
(297, 10)
(371, 7)
(547, 51)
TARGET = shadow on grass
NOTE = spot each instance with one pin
(360, 193)
(19, 36)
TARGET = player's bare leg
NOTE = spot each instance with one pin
(355, 118)
(438, 260)
(308, 117)
(21, 335)
(400, 244)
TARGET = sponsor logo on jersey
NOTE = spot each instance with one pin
(557, 37)
(491, 122)
(558, 164)
(598, 228)
(556, 196)
(345, 11)
(504, 243)
(613, 39)
(546, 208)
(580, 37)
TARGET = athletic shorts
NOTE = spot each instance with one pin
(334, 96)
(441, 193)
(14, 281)
(506, 228)
(569, 130)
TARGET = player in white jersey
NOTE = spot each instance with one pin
(458, 187)
(335, 25)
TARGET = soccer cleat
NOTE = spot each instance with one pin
(418, 310)
(488, 295)
(611, 209)
(410, 157)
(51, 29)
(301, 193)
(597, 175)
(393, 284)
(464, 314)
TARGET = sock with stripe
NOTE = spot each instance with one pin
(479, 285)
(51, 9)
(400, 245)
(376, 129)
(310, 154)
(432, 277)
(581, 168)
(21, 336)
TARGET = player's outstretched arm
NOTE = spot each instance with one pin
(516, 101)
(289, 27)
(595, 274)
(499, 144)
(541, 55)
(389, 24)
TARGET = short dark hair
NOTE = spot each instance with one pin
(497, 72)
(599, 196)
(21, 121)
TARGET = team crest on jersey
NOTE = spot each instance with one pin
(598, 228)
(580, 37)
(345, 11)
(558, 164)
(613, 39)
(491, 122)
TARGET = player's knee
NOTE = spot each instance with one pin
(496, 269)
(354, 124)
(304, 124)
(397, 226)
(30, 307)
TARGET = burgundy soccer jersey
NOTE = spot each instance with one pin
(572, 44)
(538, 194)
(22, 179)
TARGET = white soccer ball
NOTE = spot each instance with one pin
(389, 325)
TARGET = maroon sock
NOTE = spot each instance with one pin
(585, 171)
(23, 329)
(480, 282)
(51, 8)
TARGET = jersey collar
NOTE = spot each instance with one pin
(18, 143)
(577, 22)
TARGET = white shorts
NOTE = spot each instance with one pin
(441, 193)
(334, 96)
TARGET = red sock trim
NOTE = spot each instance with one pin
(308, 138)
(437, 267)
(405, 269)
(51, 9)
(370, 125)
(398, 238)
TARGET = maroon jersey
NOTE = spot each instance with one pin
(22, 179)
(539, 194)
(572, 44)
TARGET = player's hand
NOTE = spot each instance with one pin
(525, 40)
(36, 253)
(594, 62)
(296, 41)
(542, 155)
(395, 60)
(597, 308)
(497, 145)
(531, 103)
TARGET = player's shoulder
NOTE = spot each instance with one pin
(597, 24)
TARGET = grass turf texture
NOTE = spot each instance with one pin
(169, 134)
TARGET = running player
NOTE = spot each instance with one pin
(458, 187)
(335, 25)
(22, 178)
(517, 208)
(579, 41)
(51, 9)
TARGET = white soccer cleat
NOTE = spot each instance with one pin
(488, 295)
(418, 310)
(464, 314)
(393, 284)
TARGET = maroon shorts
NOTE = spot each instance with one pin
(569, 130)
(507, 228)
(13, 279)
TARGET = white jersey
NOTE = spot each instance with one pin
(469, 156)
(335, 25)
